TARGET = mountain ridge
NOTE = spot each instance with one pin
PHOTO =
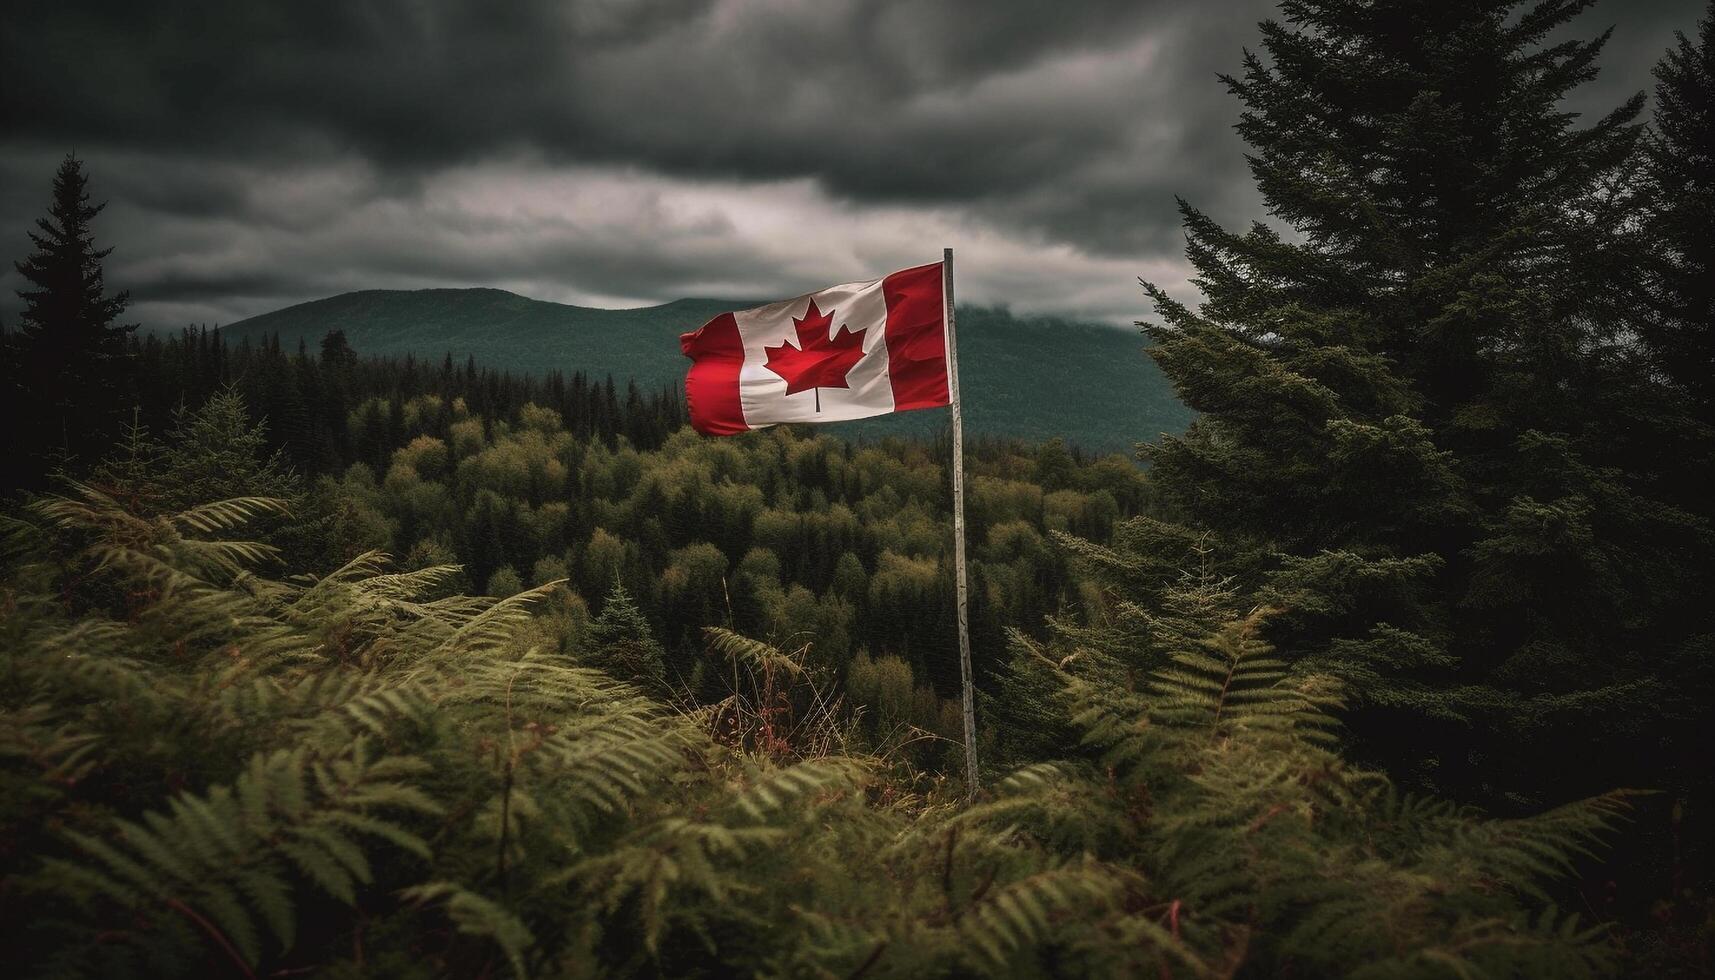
(1033, 377)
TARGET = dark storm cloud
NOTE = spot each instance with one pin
(632, 150)
(1019, 104)
(439, 81)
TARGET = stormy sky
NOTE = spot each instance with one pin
(628, 152)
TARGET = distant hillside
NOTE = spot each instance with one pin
(1033, 377)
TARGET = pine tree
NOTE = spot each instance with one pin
(71, 353)
(218, 451)
(128, 473)
(620, 641)
(1407, 434)
(1681, 176)
(336, 351)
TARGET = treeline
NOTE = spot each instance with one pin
(308, 397)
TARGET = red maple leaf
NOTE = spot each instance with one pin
(817, 362)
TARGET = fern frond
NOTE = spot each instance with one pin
(815, 777)
(603, 768)
(227, 856)
(496, 625)
(753, 653)
(227, 515)
(1521, 852)
(1025, 913)
(477, 915)
(669, 869)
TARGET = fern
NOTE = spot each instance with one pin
(1027, 912)
(1522, 853)
(791, 785)
(495, 626)
(362, 737)
(1229, 681)
(160, 548)
(599, 769)
(752, 653)
(476, 915)
(673, 872)
(229, 859)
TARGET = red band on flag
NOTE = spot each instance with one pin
(711, 387)
(916, 337)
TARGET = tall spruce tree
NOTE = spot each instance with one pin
(1681, 175)
(1407, 435)
(69, 349)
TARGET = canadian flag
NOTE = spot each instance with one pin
(846, 352)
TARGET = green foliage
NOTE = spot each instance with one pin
(779, 534)
(505, 581)
(347, 774)
(225, 860)
(897, 708)
(620, 642)
(1427, 432)
(1680, 182)
(1257, 827)
(217, 451)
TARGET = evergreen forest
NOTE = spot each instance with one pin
(1397, 661)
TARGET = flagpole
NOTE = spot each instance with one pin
(969, 697)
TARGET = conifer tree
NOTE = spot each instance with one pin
(128, 472)
(217, 450)
(620, 641)
(1406, 434)
(1681, 175)
(69, 350)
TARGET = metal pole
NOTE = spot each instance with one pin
(959, 527)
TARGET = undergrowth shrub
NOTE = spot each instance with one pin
(210, 771)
